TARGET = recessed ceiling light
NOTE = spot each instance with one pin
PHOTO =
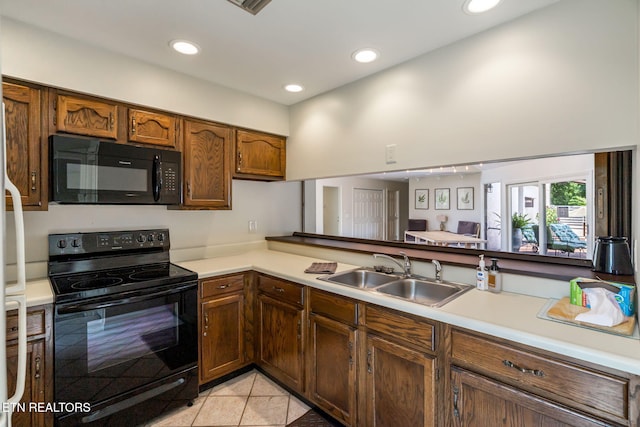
(365, 55)
(293, 88)
(474, 7)
(185, 47)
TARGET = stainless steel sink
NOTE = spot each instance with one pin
(360, 278)
(426, 292)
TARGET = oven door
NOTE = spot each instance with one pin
(113, 346)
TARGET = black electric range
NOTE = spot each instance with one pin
(125, 327)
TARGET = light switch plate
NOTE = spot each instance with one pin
(390, 153)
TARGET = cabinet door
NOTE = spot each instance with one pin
(24, 149)
(86, 117)
(260, 156)
(332, 359)
(400, 385)
(479, 401)
(152, 128)
(34, 389)
(222, 339)
(207, 174)
(280, 341)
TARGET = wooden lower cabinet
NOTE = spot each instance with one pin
(39, 373)
(529, 384)
(222, 336)
(332, 360)
(222, 326)
(480, 401)
(280, 338)
(400, 385)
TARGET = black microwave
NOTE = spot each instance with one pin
(90, 171)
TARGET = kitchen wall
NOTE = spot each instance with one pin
(32, 54)
(563, 79)
(346, 186)
(560, 79)
(451, 182)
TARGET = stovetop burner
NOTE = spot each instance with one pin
(76, 286)
(87, 265)
(95, 282)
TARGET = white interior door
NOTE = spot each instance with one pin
(331, 211)
(368, 213)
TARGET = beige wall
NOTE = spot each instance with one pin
(32, 54)
(561, 79)
(44, 57)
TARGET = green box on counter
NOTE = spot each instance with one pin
(625, 293)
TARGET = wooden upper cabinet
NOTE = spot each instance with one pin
(26, 153)
(85, 116)
(152, 128)
(207, 165)
(259, 156)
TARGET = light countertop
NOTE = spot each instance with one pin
(506, 315)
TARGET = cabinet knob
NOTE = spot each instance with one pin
(133, 125)
(111, 121)
(34, 175)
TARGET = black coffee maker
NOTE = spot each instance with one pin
(612, 256)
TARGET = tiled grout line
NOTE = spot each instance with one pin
(246, 401)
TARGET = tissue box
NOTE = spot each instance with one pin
(625, 294)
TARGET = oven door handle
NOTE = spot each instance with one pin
(116, 301)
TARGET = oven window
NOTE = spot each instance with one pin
(117, 339)
(105, 178)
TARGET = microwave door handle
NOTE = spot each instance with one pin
(157, 178)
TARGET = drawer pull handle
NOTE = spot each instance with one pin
(369, 369)
(456, 396)
(37, 374)
(536, 372)
(225, 286)
(277, 289)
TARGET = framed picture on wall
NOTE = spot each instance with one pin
(442, 198)
(465, 198)
(422, 199)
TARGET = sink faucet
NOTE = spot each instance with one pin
(436, 263)
(406, 266)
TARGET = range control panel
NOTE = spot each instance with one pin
(107, 241)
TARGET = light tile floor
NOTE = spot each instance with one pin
(248, 400)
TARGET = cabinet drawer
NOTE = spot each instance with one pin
(281, 290)
(333, 306)
(416, 333)
(567, 383)
(36, 324)
(221, 285)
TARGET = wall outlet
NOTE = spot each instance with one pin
(390, 153)
(253, 226)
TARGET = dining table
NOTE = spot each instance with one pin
(443, 238)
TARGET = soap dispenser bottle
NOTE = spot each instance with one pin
(481, 275)
(495, 277)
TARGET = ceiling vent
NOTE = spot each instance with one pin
(251, 6)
